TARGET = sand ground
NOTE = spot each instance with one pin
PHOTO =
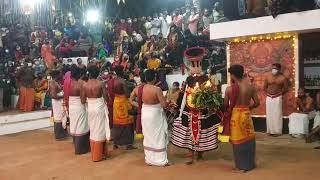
(35, 155)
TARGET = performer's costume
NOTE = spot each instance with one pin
(195, 129)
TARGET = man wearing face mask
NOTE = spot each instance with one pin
(275, 85)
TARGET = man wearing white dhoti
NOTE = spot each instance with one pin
(299, 120)
(94, 93)
(154, 123)
(58, 110)
(275, 85)
(79, 127)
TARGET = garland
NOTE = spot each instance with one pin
(205, 97)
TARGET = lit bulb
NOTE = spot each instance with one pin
(208, 84)
(197, 86)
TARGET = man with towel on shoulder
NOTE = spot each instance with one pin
(154, 123)
(79, 127)
(59, 113)
(241, 97)
(94, 93)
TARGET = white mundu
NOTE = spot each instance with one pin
(274, 115)
(98, 120)
(78, 117)
(155, 131)
(299, 123)
(59, 115)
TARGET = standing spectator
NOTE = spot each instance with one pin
(174, 49)
(156, 24)
(193, 21)
(256, 8)
(122, 26)
(26, 91)
(18, 54)
(207, 19)
(148, 26)
(141, 27)
(47, 54)
(135, 25)
(242, 7)
(164, 25)
(177, 19)
(130, 26)
(186, 17)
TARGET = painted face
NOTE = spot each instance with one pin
(195, 70)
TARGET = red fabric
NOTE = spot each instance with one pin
(121, 27)
(115, 64)
(18, 55)
(66, 88)
(227, 115)
(138, 123)
(195, 126)
(26, 99)
(110, 86)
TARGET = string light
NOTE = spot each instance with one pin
(268, 37)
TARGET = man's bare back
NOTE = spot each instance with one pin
(75, 87)
(153, 95)
(275, 85)
(247, 92)
(91, 89)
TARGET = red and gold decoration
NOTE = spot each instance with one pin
(257, 54)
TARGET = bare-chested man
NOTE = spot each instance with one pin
(238, 99)
(59, 113)
(315, 133)
(137, 95)
(299, 120)
(154, 123)
(94, 93)
(79, 127)
(123, 127)
(275, 85)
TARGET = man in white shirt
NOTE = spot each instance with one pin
(156, 24)
(165, 23)
(148, 26)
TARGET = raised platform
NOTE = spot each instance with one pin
(298, 22)
(16, 121)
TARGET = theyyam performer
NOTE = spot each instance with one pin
(196, 128)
